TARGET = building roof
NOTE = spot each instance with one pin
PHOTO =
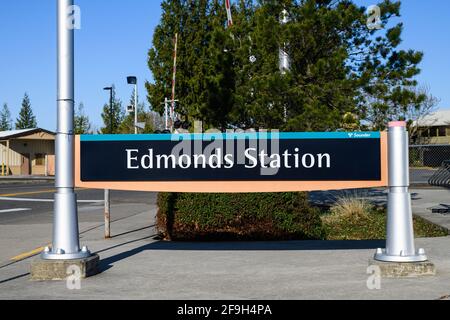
(436, 119)
(13, 134)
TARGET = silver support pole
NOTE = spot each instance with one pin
(135, 108)
(400, 232)
(66, 245)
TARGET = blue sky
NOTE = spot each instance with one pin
(117, 34)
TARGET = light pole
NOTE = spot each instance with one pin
(110, 89)
(66, 243)
(107, 210)
(133, 80)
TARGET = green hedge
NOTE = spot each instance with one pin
(254, 216)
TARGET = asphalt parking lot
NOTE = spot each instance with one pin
(32, 203)
(28, 207)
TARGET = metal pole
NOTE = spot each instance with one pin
(229, 15)
(135, 109)
(107, 214)
(66, 245)
(166, 112)
(400, 233)
(174, 79)
(107, 192)
(7, 157)
(284, 60)
(111, 111)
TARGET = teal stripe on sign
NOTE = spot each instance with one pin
(231, 136)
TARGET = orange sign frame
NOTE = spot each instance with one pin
(235, 186)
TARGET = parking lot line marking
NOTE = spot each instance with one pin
(28, 254)
(33, 192)
(44, 200)
(15, 210)
(27, 193)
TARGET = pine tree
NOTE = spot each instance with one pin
(82, 125)
(5, 119)
(230, 77)
(160, 57)
(26, 119)
(261, 89)
(191, 21)
(112, 117)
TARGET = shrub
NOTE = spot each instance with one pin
(360, 226)
(254, 216)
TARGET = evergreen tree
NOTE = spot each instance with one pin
(161, 55)
(26, 119)
(190, 20)
(219, 76)
(112, 116)
(342, 73)
(5, 119)
(82, 125)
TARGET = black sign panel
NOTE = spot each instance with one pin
(245, 157)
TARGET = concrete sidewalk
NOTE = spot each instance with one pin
(425, 199)
(135, 266)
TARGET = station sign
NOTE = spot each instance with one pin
(232, 162)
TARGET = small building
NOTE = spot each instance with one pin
(433, 129)
(27, 152)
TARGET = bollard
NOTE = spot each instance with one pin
(400, 232)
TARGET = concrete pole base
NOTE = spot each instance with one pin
(404, 270)
(57, 270)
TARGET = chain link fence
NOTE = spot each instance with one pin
(426, 161)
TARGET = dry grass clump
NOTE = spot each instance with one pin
(348, 207)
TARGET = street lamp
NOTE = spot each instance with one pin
(110, 89)
(133, 80)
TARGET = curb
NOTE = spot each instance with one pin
(16, 180)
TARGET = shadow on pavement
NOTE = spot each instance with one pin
(108, 263)
(15, 278)
(133, 231)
